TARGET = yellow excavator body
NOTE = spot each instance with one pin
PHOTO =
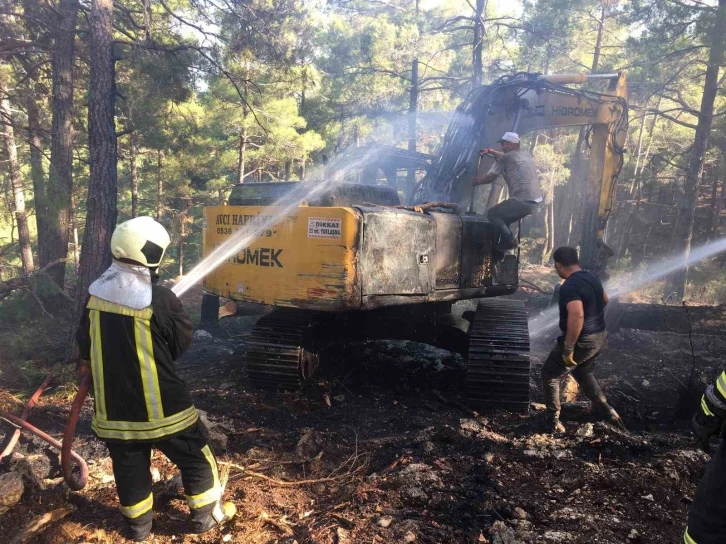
(309, 255)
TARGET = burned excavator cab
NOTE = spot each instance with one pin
(259, 194)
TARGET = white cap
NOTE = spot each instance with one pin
(512, 137)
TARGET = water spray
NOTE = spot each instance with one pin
(547, 320)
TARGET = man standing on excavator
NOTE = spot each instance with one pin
(132, 332)
(517, 167)
(582, 322)
(707, 518)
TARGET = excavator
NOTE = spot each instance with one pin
(350, 261)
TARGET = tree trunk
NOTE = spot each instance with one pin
(549, 220)
(74, 232)
(133, 156)
(37, 173)
(159, 187)
(102, 185)
(715, 205)
(242, 153)
(639, 184)
(303, 91)
(548, 233)
(478, 44)
(684, 236)
(185, 204)
(60, 175)
(578, 182)
(26, 249)
(243, 130)
(638, 151)
(412, 114)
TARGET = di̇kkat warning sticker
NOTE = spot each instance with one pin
(322, 227)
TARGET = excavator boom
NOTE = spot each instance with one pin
(527, 103)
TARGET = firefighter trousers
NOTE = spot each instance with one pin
(707, 518)
(189, 451)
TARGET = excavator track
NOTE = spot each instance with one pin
(276, 356)
(497, 375)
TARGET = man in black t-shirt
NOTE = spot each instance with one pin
(582, 322)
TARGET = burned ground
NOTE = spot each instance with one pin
(384, 450)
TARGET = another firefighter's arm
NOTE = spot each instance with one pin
(605, 298)
(709, 419)
(177, 327)
(575, 322)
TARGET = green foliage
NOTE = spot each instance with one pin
(262, 89)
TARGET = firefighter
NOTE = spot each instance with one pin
(517, 167)
(707, 518)
(132, 332)
(582, 302)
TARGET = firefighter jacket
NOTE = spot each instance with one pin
(139, 397)
(713, 401)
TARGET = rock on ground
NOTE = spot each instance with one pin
(11, 489)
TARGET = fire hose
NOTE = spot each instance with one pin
(75, 482)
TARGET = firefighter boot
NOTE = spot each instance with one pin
(138, 532)
(221, 514)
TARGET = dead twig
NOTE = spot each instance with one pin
(423, 208)
(40, 302)
(283, 525)
(534, 286)
(668, 370)
(40, 523)
(345, 522)
(281, 483)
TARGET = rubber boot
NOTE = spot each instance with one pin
(222, 513)
(139, 532)
(556, 427)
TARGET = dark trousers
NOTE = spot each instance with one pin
(505, 213)
(707, 518)
(587, 348)
(189, 451)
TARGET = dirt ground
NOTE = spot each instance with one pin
(383, 449)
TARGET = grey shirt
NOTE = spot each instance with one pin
(519, 172)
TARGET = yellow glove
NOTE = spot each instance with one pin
(567, 356)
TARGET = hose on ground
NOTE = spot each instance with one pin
(75, 482)
(28, 407)
(66, 453)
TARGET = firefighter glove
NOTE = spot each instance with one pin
(704, 427)
(568, 356)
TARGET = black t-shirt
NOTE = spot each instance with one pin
(586, 287)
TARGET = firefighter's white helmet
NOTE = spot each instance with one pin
(141, 239)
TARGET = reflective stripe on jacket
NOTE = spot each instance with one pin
(138, 394)
(713, 401)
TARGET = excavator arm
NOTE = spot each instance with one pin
(526, 103)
